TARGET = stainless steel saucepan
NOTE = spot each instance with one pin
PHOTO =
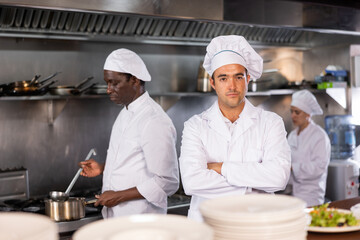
(71, 209)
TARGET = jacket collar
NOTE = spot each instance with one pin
(246, 119)
(137, 103)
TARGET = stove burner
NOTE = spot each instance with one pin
(30, 205)
(37, 205)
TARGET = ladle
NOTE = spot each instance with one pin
(63, 196)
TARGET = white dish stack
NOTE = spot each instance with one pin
(256, 216)
(145, 227)
(27, 226)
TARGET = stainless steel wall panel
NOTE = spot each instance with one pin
(55, 20)
(114, 24)
(27, 139)
(203, 9)
(19, 17)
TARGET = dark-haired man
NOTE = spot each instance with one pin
(141, 167)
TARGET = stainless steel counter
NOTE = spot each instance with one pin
(71, 226)
(177, 204)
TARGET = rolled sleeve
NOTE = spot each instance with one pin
(158, 143)
(153, 193)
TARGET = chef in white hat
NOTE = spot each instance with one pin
(141, 168)
(232, 148)
(310, 150)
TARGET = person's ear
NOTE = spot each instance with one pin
(248, 78)
(134, 81)
(212, 83)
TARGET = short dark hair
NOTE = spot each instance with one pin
(128, 76)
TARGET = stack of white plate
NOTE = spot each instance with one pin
(256, 216)
(145, 227)
(27, 226)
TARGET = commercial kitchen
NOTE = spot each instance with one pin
(62, 45)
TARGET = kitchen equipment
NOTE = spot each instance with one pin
(203, 82)
(28, 87)
(97, 90)
(343, 180)
(14, 184)
(2, 87)
(37, 206)
(341, 131)
(25, 83)
(254, 84)
(62, 196)
(67, 90)
(71, 209)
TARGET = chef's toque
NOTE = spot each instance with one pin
(307, 102)
(232, 49)
(126, 61)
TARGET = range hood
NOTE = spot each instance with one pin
(185, 22)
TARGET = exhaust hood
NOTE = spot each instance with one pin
(185, 22)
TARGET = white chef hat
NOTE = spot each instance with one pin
(307, 102)
(125, 61)
(232, 49)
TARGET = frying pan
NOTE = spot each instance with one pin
(25, 83)
(28, 91)
(97, 90)
(28, 87)
(67, 90)
(2, 91)
(33, 82)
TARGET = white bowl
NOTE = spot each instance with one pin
(253, 208)
(156, 226)
(27, 226)
(299, 224)
(145, 234)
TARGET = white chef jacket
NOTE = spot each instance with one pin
(142, 154)
(256, 156)
(310, 156)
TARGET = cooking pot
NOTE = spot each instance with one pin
(259, 85)
(203, 82)
(71, 209)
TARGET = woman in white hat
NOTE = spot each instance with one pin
(310, 150)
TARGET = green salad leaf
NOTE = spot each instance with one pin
(322, 216)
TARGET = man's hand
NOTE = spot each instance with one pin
(216, 166)
(108, 199)
(91, 168)
(112, 198)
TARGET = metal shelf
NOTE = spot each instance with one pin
(272, 92)
(48, 97)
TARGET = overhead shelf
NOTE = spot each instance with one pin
(336, 93)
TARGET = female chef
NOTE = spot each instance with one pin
(310, 150)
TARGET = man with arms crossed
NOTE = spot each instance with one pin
(233, 148)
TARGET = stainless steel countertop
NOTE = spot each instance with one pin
(175, 201)
(70, 226)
